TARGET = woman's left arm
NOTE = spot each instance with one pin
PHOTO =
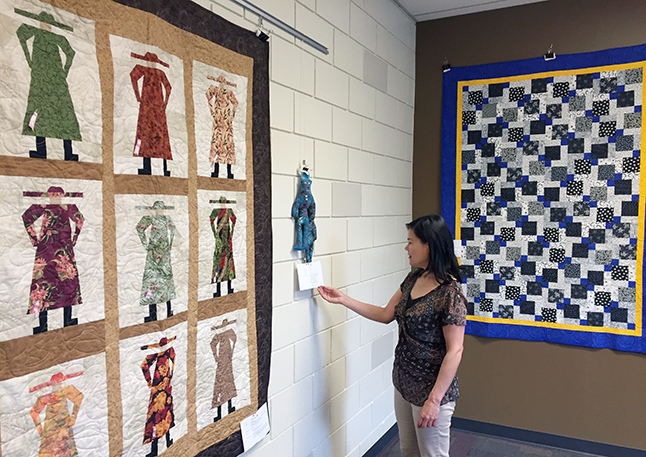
(454, 336)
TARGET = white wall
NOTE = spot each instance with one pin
(350, 115)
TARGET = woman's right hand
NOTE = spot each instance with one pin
(331, 294)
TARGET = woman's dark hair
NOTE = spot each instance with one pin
(432, 230)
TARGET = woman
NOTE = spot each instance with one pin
(430, 309)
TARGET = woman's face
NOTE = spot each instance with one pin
(418, 251)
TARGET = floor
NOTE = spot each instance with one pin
(467, 444)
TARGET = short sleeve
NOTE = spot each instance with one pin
(455, 306)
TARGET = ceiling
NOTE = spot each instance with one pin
(426, 10)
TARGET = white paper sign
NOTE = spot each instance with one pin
(255, 427)
(310, 275)
(457, 248)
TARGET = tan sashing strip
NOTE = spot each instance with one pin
(115, 19)
(29, 354)
(235, 185)
(152, 327)
(214, 307)
(193, 258)
(133, 184)
(43, 168)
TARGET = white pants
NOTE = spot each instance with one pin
(422, 442)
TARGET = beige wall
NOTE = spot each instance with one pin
(597, 395)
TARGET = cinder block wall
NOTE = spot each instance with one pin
(349, 115)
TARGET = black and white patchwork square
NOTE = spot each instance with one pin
(608, 128)
(486, 305)
(550, 185)
(619, 314)
(534, 248)
(468, 117)
(557, 255)
(619, 273)
(602, 298)
(621, 230)
(601, 108)
(582, 167)
(624, 143)
(633, 120)
(595, 278)
(560, 89)
(486, 267)
(583, 124)
(571, 311)
(475, 97)
(605, 172)
(515, 134)
(514, 174)
(548, 315)
(507, 234)
(630, 165)
(575, 146)
(574, 188)
(516, 94)
(487, 189)
(473, 214)
(556, 215)
(512, 292)
(605, 214)
(492, 247)
(599, 150)
(551, 235)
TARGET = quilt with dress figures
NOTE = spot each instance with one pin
(135, 158)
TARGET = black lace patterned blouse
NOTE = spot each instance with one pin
(421, 347)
